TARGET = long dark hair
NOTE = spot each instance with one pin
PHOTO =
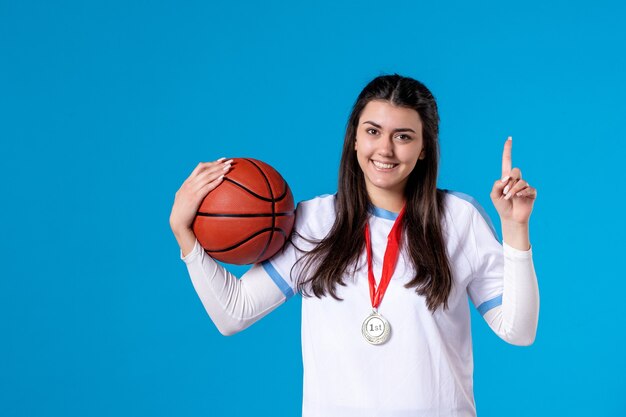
(340, 249)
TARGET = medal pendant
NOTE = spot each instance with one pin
(375, 328)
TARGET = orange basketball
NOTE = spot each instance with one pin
(248, 217)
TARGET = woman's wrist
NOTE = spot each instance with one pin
(186, 239)
(516, 235)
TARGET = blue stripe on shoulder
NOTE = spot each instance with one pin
(489, 304)
(478, 207)
(278, 280)
(385, 214)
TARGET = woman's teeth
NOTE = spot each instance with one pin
(383, 166)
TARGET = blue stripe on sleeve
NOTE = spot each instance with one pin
(489, 304)
(478, 207)
(278, 280)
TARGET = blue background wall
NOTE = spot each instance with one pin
(107, 106)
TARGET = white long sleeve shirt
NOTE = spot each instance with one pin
(426, 367)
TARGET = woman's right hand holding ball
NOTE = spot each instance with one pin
(204, 178)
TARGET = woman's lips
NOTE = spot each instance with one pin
(383, 166)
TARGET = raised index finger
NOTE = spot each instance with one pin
(506, 157)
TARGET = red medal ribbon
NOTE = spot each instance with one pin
(389, 261)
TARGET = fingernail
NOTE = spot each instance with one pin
(221, 177)
(510, 138)
(506, 190)
(227, 167)
(508, 196)
(505, 179)
(229, 161)
(221, 159)
(519, 194)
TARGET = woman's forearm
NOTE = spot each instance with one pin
(516, 319)
(516, 235)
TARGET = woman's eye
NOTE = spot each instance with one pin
(371, 131)
(403, 137)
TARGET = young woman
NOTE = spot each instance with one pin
(384, 267)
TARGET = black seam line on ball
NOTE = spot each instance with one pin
(276, 199)
(269, 187)
(284, 193)
(289, 213)
(260, 197)
(236, 245)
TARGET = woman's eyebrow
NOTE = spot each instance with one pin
(401, 129)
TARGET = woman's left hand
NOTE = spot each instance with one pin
(513, 198)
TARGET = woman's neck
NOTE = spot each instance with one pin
(388, 201)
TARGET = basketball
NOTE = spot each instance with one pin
(248, 217)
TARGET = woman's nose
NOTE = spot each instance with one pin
(386, 147)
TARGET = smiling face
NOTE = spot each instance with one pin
(388, 145)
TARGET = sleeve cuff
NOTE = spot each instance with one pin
(194, 252)
(514, 253)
